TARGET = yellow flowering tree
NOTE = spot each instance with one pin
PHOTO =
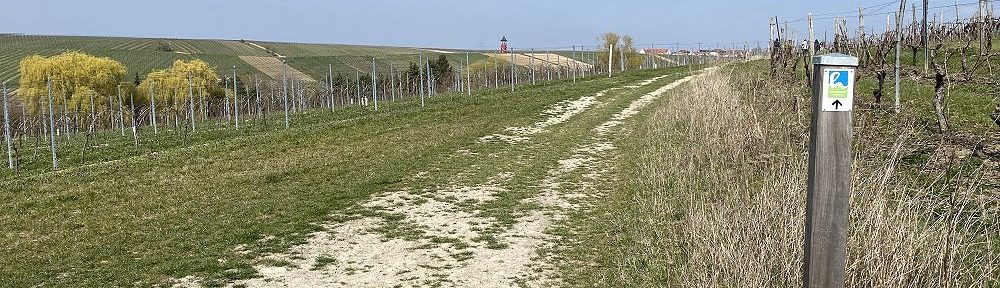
(76, 78)
(170, 86)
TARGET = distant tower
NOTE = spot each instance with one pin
(503, 45)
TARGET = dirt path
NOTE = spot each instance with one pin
(481, 218)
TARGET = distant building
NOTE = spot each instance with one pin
(503, 45)
(657, 51)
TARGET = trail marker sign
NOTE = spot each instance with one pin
(837, 82)
(829, 183)
(838, 89)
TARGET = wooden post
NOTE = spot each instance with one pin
(861, 27)
(6, 130)
(982, 28)
(812, 36)
(374, 86)
(611, 51)
(812, 52)
(899, 40)
(829, 184)
(923, 41)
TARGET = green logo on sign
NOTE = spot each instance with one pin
(836, 86)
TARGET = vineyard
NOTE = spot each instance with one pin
(160, 162)
(269, 79)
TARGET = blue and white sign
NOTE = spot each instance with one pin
(838, 89)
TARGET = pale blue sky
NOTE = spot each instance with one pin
(440, 23)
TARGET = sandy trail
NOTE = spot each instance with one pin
(441, 236)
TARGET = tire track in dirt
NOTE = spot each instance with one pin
(441, 235)
(569, 186)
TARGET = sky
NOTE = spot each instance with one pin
(449, 23)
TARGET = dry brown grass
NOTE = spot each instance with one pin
(715, 196)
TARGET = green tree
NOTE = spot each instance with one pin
(442, 72)
(623, 48)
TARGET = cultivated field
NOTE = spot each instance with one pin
(142, 55)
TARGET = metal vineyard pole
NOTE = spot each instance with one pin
(496, 70)
(121, 118)
(548, 67)
(294, 95)
(330, 85)
(531, 63)
(420, 74)
(511, 70)
(899, 40)
(236, 100)
(6, 130)
(229, 114)
(152, 106)
(135, 132)
(468, 74)
(574, 70)
(924, 39)
(284, 89)
(260, 104)
(374, 86)
(52, 130)
(111, 110)
(191, 101)
(357, 86)
(392, 84)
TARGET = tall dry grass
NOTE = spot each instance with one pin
(721, 178)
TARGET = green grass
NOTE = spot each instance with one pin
(701, 199)
(174, 207)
